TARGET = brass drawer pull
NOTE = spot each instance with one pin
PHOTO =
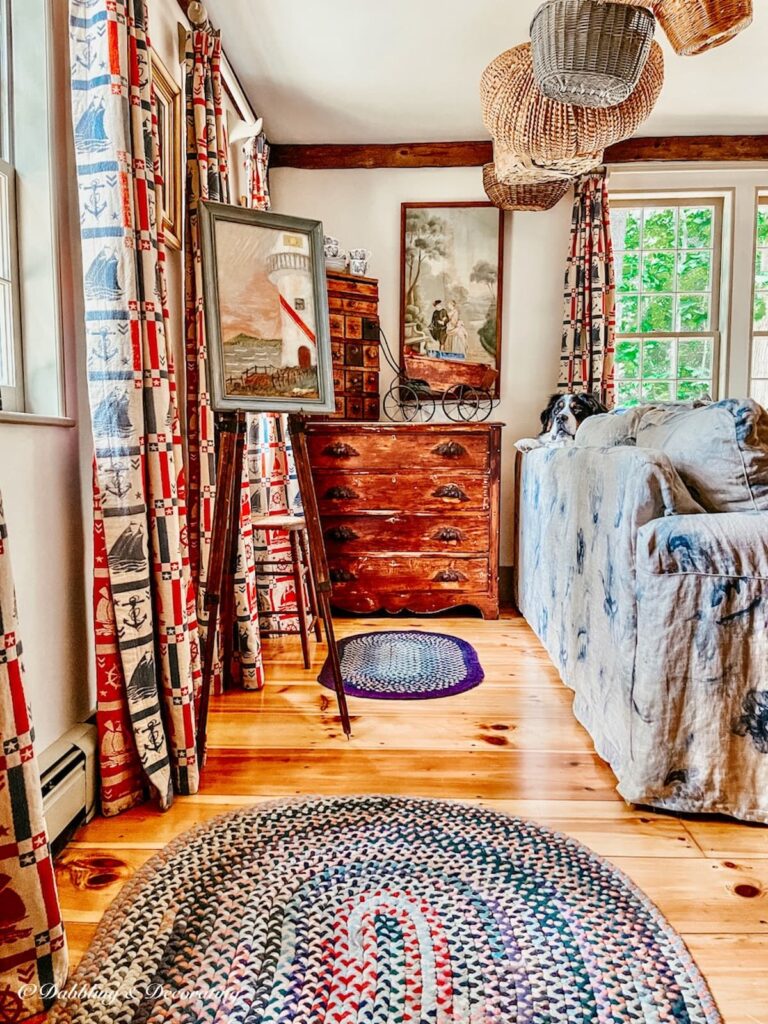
(448, 535)
(450, 450)
(341, 534)
(450, 492)
(342, 576)
(449, 576)
(340, 450)
(341, 494)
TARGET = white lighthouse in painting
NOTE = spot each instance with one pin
(289, 269)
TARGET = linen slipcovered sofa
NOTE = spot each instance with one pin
(643, 569)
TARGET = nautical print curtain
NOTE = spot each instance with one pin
(147, 652)
(208, 179)
(589, 319)
(33, 949)
(274, 487)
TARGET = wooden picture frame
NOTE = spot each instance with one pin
(168, 110)
(266, 310)
(452, 280)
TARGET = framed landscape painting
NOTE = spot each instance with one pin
(451, 281)
(266, 307)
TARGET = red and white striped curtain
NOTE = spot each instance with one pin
(33, 949)
(589, 317)
(274, 487)
(147, 651)
(208, 179)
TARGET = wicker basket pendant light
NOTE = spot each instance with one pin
(513, 168)
(695, 26)
(532, 196)
(517, 114)
(590, 52)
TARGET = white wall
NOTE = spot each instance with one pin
(362, 208)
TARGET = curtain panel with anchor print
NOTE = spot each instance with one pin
(147, 654)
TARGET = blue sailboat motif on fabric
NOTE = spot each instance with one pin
(90, 133)
(110, 417)
(127, 553)
(101, 277)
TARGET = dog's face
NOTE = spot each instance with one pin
(563, 414)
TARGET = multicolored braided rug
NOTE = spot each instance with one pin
(405, 664)
(383, 911)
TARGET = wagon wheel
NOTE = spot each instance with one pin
(426, 400)
(453, 400)
(401, 402)
(478, 405)
(11, 1006)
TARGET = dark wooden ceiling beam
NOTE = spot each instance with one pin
(653, 149)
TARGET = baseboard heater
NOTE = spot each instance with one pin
(68, 777)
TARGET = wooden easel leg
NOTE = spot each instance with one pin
(324, 597)
(227, 492)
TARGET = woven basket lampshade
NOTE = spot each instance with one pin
(517, 115)
(531, 196)
(512, 168)
(590, 52)
(695, 26)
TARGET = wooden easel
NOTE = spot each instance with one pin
(223, 556)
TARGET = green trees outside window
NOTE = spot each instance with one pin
(667, 259)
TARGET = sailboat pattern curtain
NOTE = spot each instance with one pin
(147, 651)
(589, 318)
(33, 950)
(208, 179)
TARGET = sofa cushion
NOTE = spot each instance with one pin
(620, 426)
(720, 451)
(728, 545)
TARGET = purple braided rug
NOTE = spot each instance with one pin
(405, 664)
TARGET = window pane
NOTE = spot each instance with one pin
(660, 228)
(694, 358)
(658, 272)
(688, 389)
(761, 268)
(760, 357)
(761, 311)
(762, 225)
(627, 360)
(627, 272)
(657, 313)
(627, 394)
(7, 372)
(658, 391)
(694, 271)
(693, 313)
(627, 310)
(625, 227)
(5, 234)
(760, 392)
(696, 225)
(658, 360)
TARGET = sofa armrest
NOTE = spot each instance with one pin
(731, 544)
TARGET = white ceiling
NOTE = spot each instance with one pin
(408, 70)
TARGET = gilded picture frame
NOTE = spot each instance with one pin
(169, 114)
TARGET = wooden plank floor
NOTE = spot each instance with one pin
(512, 744)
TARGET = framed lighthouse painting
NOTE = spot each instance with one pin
(266, 308)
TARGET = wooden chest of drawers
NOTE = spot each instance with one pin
(410, 514)
(353, 304)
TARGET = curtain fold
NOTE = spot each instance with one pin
(208, 179)
(33, 950)
(589, 317)
(273, 484)
(147, 651)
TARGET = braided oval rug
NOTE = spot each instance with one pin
(378, 910)
(405, 664)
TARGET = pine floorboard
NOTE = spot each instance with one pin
(512, 744)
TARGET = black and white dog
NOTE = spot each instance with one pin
(560, 420)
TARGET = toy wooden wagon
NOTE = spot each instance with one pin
(464, 390)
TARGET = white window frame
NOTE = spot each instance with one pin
(761, 200)
(12, 385)
(720, 287)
